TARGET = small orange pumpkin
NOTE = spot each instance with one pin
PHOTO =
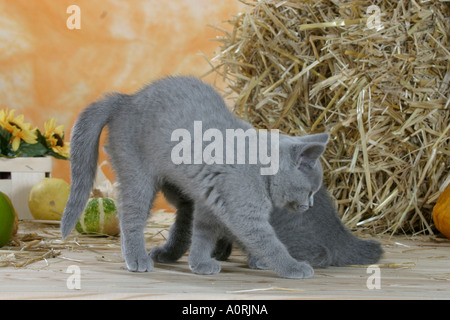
(441, 213)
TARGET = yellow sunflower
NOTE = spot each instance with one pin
(55, 138)
(18, 128)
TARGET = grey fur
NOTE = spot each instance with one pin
(317, 236)
(232, 197)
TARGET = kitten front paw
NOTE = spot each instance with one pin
(299, 270)
(160, 254)
(206, 267)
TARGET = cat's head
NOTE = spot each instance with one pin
(300, 173)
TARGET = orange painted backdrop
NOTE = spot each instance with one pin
(48, 70)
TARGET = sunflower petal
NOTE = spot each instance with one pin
(15, 143)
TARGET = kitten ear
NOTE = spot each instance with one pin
(307, 154)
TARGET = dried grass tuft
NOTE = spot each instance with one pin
(382, 93)
(40, 241)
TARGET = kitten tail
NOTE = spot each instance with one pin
(84, 155)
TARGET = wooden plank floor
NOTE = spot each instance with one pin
(411, 269)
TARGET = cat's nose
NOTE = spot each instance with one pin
(293, 206)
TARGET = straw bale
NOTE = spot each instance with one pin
(380, 90)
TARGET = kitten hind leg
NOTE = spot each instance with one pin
(358, 252)
(204, 236)
(133, 213)
(255, 263)
(223, 249)
(181, 230)
(136, 194)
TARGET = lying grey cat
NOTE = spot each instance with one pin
(235, 197)
(317, 236)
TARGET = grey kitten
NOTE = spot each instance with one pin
(233, 197)
(317, 236)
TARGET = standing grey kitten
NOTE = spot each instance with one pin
(235, 197)
(317, 236)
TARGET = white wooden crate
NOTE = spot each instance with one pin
(18, 176)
